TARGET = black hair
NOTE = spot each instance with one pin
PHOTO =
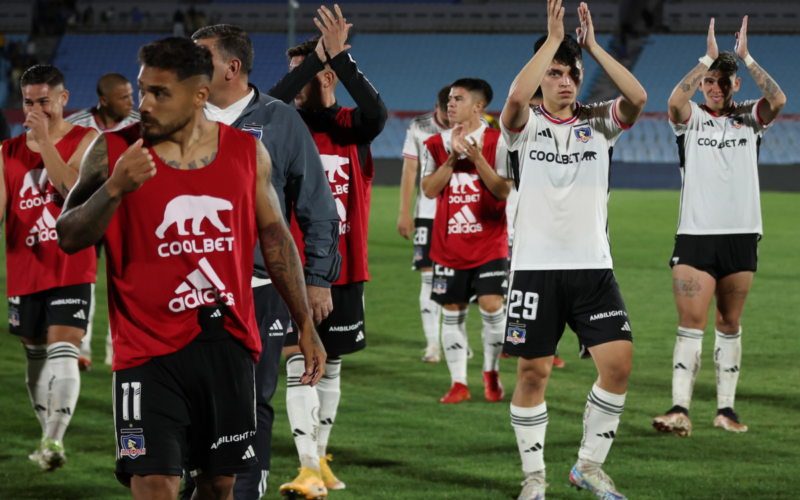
(304, 49)
(232, 42)
(443, 96)
(569, 52)
(180, 55)
(476, 85)
(726, 62)
(538, 94)
(40, 74)
(108, 81)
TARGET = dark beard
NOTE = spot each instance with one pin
(166, 130)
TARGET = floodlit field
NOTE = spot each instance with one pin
(393, 440)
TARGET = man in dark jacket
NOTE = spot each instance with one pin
(299, 180)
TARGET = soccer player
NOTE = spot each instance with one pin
(48, 291)
(180, 202)
(716, 248)
(304, 194)
(466, 170)
(562, 270)
(113, 111)
(419, 130)
(343, 137)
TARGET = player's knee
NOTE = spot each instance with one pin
(693, 320)
(215, 488)
(618, 373)
(728, 324)
(490, 303)
(533, 376)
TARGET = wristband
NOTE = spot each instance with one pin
(707, 60)
(748, 60)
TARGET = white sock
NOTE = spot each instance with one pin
(65, 385)
(302, 405)
(600, 422)
(86, 341)
(37, 378)
(727, 360)
(430, 310)
(530, 425)
(109, 348)
(454, 341)
(492, 335)
(329, 392)
(685, 365)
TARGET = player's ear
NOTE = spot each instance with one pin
(736, 84)
(234, 67)
(201, 96)
(64, 97)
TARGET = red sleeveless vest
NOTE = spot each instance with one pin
(34, 262)
(470, 225)
(185, 239)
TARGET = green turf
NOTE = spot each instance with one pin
(393, 440)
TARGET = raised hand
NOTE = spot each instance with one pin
(133, 168)
(37, 122)
(585, 31)
(741, 41)
(472, 149)
(555, 20)
(334, 30)
(712, 50)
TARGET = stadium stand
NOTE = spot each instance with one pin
(769, 17)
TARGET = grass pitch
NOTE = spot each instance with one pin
(393, 440)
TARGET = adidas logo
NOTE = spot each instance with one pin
(626, 327)
(216, 314)
(298, 432)
(454, 347)
(65, 411)
(709, 123)
(537, 446)
(201, 287)
(607, 435)
(80, 314)
(43, 230)
(326, 421)
(276, 326)
(39, 407)
(733, 369)
(496, 344)
(463, 222)
(546, 133)
(679, 366)
(249, 453)
(360, 336)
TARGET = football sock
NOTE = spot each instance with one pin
(454, 341)
(431, 311)
(37, 378)
(492, 335)
(329, 392)
(65, 385)
(109, 348)
(302, 405)
(727, 360)
(685, 365)
(86, 341)
(600, 422)
(530, 425)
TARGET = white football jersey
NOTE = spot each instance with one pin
(419, 130)
(86, 118)
(719, 170)
(562, 168)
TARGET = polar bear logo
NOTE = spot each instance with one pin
(459, 181)
(333, 165)
(34, 181)
(196, 209)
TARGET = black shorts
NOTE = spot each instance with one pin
(31, 315)
(541, 303)
(423, 229)
(719, 255)
(458, 286)
(342, 332)
(197, 403)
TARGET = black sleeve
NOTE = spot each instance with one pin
(370, 116)
(294, 81)
(5, 128)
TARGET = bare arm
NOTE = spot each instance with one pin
(634, 96)
(405, 223)
(679, 108)
(284, 266)
(774, 98)
(433, 184)
(516, 109)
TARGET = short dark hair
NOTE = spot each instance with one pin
(476, 85)
(109, 81)
(444, 96)
(538, 94)
(41, 74)
(232, 41)
(304, 49)
(180, 55)
(569, 52)
(726, 62)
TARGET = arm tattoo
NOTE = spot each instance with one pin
(285, 269)
(64, 190)
(765, 82)
(692, 79)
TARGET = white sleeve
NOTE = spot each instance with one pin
(603, 116)
(749, 111)
(411, 145)
(514, 139)
(501, 159)
(426, 162)
(695, 115)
